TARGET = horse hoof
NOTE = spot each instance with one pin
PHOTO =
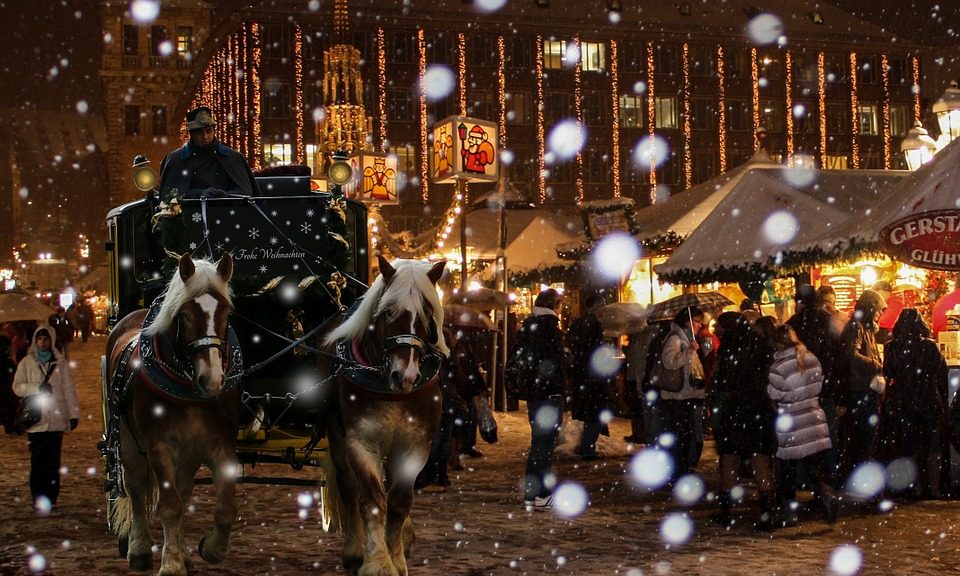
(141, 562)
(208, 556)
(123, 545)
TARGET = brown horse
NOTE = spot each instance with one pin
(174, 391)
(386, 408)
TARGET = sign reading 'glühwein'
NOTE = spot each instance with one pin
(926, 240)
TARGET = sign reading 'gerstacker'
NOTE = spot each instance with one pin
(926, 240)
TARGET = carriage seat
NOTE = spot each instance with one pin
(284, 185)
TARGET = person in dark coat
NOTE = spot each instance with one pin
(205, 166)
(863, 364)
(742, 415)
(8, 400)
(542, 359)
(469, 383)
(64, 329)
(913, 411)
(591, 387)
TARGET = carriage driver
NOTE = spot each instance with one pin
(205, 166)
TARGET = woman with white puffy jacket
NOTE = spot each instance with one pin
(802, 433)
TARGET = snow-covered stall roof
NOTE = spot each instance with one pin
(766, 211)
(934, 186)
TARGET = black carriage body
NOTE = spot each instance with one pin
(285, 248)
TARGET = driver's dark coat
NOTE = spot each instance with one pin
(176, 172)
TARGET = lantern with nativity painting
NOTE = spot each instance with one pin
(374, 178)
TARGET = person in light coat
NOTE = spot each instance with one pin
(802, 432)
(60, 413)
(683, 409)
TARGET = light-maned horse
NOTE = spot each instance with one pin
(178, 411)
(386, 408)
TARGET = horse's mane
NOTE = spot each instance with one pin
(408, 290)
(205, 279)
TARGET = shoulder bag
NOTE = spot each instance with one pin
(30, 408)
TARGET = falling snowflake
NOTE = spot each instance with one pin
(273, 213)
(310, 213)
(254, 234)
(196, 217)
(193, 246)
(233, 212)
(305, 227)
(219, 246)
(226, 239)
(263, 269)
(273, 240)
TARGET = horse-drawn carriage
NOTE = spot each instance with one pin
(232, 343)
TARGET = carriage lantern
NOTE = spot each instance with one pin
(145, 177)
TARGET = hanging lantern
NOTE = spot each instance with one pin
(947, 109)
(464, 149)
(918, 147)
(374, 178)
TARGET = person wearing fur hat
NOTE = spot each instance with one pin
(858, 396)
(44, 371)
(204, 166)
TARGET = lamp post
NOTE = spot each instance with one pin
(947, 109)
(918, 147)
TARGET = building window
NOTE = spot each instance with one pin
(838, 68)
(596, 167)
(835, 162)
(277, 154)
(593, 56)
(771, 115)
(158, 38)
(665, 60)
(159, 120)
(769, 65)
(631, 111)
(703, 117)
(519, 53)
(131, 120)
(131, 40)
(519, 108)
(596, 108)
(739, 118)
(633, 57)
(485, 104)
(439, 50)
(900, 72)
(737, 63)
(805, 119)
(311, 150)
(400, 105)
(554, 54)
(277, 42)
(666, 112)
(901, 119)
(867, 71)
(557, 106)
(276, 100)
(838, 119)
(185, 42)
(868, 120)
(703, 61)
(704, 165)
(481, 51)
(402, 48)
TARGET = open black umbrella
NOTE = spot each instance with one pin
(710, 302)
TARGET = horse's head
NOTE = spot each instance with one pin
(193, 319)
(408, 321)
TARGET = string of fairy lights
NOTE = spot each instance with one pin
(687, 125)
(854, 113)
(885, 111)
(578, 114)
(822, 105)
(755, 96)
(615, 117)
(651, 122)
(231, 84)
(541, 167)
(382, 87)
(788, 104)
(721, 109)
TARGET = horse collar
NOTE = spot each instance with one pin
(169, 376)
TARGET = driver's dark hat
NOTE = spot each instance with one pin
(200, 118)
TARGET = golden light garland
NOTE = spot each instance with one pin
(502, 90)
(462, 99)
(421, 72)
(788, 104)
(755, 96)
(255, 91)
(578, 113)
(885, 113)
(237, 87)
(300, 150)
(615, 115)
(721, 110)
(651, 122)
(915, 88)
(382, 87)
(822, 105)
(687, 126)
(541, 178)
(242, 117)
(855, 113)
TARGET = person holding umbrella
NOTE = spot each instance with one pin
(683, 409)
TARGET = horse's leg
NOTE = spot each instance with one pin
(216, 543)
(139, 486)
(346, 485)
(399, 531)
(185, 479)
(170, 510)
(373, 510)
